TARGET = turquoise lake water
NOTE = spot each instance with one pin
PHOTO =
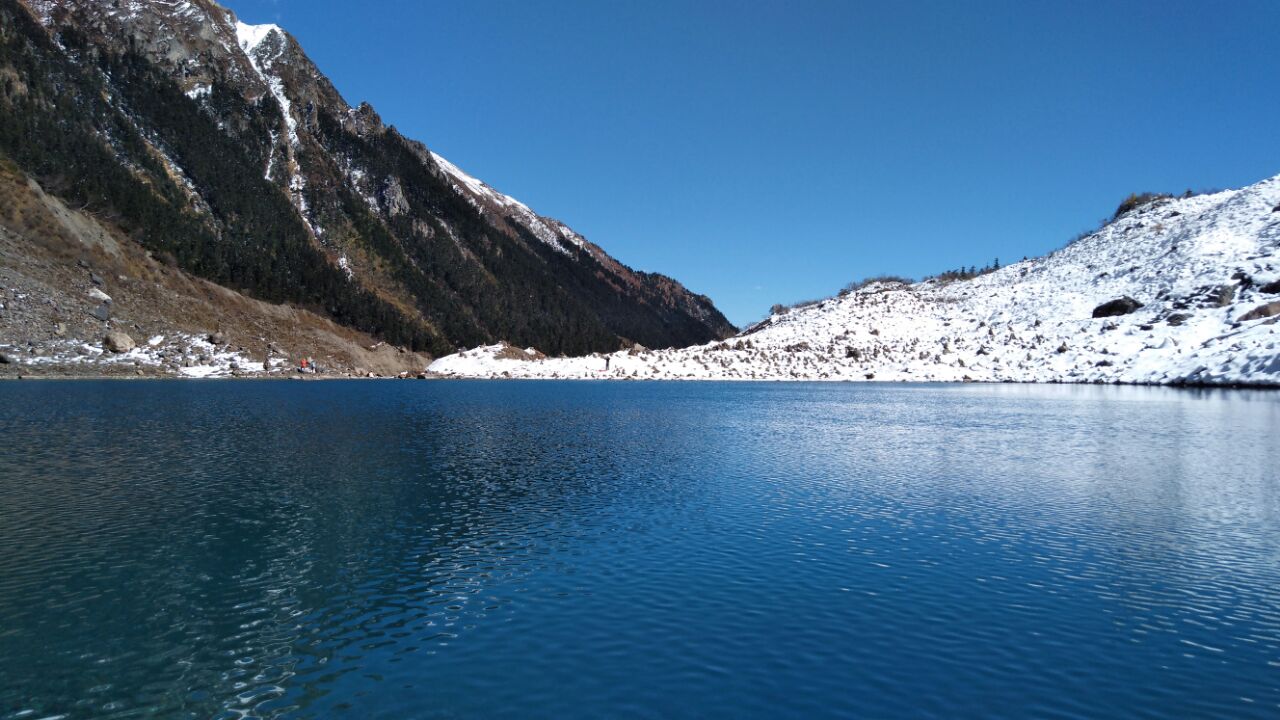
(586, 550)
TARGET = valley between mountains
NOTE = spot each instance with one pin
(221, 154)
(186, 195)
(1174, 291)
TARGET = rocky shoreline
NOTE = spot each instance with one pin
(79, 301)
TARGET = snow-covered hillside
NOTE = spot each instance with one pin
(1199, 266)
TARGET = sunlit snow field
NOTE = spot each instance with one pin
(1200, 267)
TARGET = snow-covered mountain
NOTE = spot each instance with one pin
(221, 145)
(1205, 271)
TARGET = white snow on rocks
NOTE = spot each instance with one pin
(263, 45)
(1196, 264)
(43, 9)
(555, 234)
(251, 36)
(252, 39)
(183, 354)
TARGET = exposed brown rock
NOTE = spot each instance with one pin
(1271, 309)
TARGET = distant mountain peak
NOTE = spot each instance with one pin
(252, 36)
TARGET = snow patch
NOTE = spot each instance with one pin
(186, 355)
(253, 40)
(555, 235)
(251, 36)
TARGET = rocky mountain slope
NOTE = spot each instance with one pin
(79, 298)
(1174, 291)
(221, 150)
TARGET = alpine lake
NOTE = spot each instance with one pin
(460, 549)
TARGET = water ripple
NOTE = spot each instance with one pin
(266, 550)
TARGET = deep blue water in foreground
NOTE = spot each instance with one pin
(538, 549)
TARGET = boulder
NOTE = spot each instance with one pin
(7, 359)
(1262, 311)
(218, 338)
(508, 352)
(118, 342)
(98, 295)
(102, 312)
(1271, 288)
(1221, 296)
(1177, 319)
(1116, 308)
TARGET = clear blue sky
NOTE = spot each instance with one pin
(766, 151)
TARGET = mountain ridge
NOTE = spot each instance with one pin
(205, 112)
(1181, 291)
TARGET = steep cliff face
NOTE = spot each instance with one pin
(222, 144)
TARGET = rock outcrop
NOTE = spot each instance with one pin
(1116, 308)
(1270, 309)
